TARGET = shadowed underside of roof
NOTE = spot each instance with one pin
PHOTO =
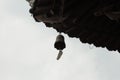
(92, 21)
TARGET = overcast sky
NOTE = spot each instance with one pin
(27, 51)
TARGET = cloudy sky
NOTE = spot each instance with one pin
(27, 51)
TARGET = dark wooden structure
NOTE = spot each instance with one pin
(92, 21)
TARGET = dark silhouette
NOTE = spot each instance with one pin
(92, 21)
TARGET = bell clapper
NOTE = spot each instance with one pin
(59, 54)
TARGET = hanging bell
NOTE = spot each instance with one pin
(60, 45)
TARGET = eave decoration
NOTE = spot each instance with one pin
(92, 21)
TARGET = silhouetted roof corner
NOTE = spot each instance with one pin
(94, 22)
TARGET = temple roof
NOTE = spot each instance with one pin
(94, 22)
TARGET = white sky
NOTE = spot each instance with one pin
(27, 51)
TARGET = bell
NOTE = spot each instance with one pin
(59, 45)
